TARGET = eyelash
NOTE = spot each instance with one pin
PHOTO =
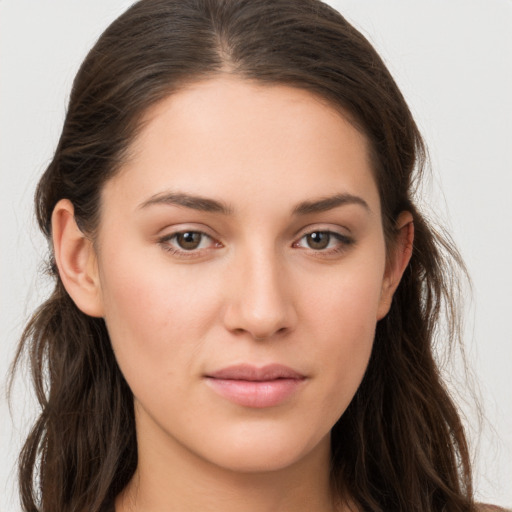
(165, 243)
(343, 243)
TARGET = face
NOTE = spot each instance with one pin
(242, 270)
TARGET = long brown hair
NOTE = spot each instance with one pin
(400, 444)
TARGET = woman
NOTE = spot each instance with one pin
(245, 291)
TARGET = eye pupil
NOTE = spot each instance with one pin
(318, 240)
(188, 240)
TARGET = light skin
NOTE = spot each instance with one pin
(284, 262)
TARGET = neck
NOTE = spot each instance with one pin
(170, 477)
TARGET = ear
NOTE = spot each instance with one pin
(76, 260)
(397, 262)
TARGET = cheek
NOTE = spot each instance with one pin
(344, 320)
(347, 301)
(156, 319)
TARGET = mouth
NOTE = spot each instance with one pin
(256, 387)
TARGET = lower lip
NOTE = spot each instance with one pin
(257, 394)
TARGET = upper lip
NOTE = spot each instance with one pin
(256, 373)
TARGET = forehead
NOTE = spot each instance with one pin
(233, 138)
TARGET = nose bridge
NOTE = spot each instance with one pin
(259, 303)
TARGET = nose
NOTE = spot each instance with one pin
(260, 302)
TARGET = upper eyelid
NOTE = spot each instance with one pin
(339, 236)
(181, 231)
(336, 234)
(325, 228)
(172, 235)
(169, 231)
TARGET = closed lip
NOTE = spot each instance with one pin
(249, 372)
(253, 386)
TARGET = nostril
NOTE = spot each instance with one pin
(279, 331)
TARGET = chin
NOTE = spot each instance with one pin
(267, 453)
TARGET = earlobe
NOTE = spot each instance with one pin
(398, 261)
(76, 260)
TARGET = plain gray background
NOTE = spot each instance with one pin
(453, 62)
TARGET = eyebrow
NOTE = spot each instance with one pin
(328, 203)
(200, 203)
(206, 204)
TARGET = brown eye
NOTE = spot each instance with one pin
(189, 240)
(318, 240)
(325, 243)
(188, 244)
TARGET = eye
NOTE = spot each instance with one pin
(327, 241)
(318, 240)
(187, 242)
